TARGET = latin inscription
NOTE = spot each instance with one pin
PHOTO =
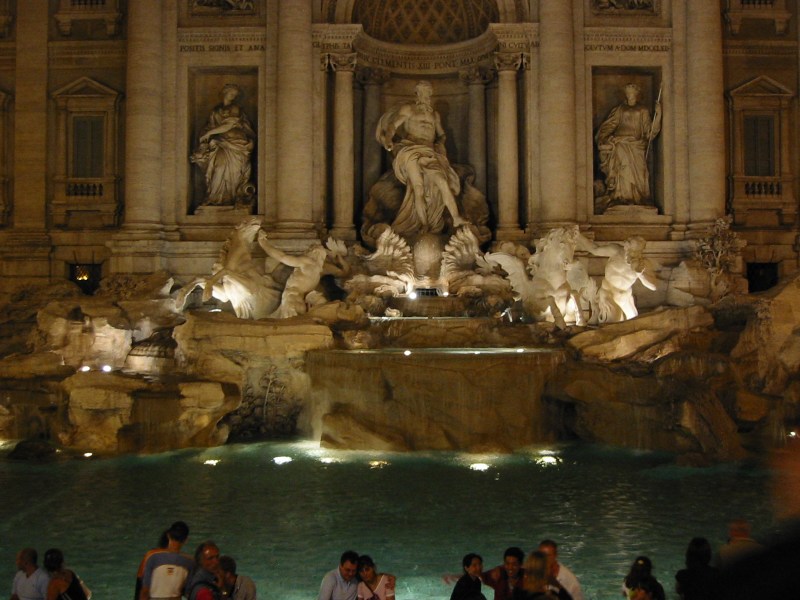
(627, 47)
(221, 48)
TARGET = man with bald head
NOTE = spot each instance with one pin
(30, 581)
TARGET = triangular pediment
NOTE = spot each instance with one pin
(762, 86)
(86, 86)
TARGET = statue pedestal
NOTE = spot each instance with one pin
(631, 211)
(240, 210)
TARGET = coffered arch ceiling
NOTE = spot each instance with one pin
(431, 22)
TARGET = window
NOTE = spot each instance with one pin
(86, 179)
(759, 145)
(87, 146)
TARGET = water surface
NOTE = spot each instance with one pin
(286, 522)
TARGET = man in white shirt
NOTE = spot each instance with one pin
(563, 575)
(30, 581)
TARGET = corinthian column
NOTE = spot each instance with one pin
(557, 142)
(372, 80)
(25, 249)
(295, 168)
(476, 80)
(343, 66)
(507, 64)
(143, 88)
(706, 117)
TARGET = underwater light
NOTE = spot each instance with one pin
(792, 433)
(406, 352)
(106, 368)
(282, 460)
(87, 455)
(445, 294)
(520, 350)
(327, 460)
(547, 461)
(211, 462)
(85, 368)
(479, 467)
(215, 310)
(377, 464)
(413, 295)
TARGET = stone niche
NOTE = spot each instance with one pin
(205, 95)
(608, 92)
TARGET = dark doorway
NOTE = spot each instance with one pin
(762, 276)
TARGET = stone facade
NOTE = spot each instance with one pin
(102, 105)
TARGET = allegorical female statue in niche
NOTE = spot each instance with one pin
(624, 142)
(226, 144)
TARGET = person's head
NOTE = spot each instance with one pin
(423, 91)
(550, 549)
(632, 93)
(228, 567)
(348, 565)
(178, 531)
(512, 561)
(641, 568)
(366, 568)
(536, 572)
(207, 556)
(26, 559)
(230, 92)
(472, 564)
(53, 560)
(698, 553)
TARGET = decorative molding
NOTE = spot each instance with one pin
(8, 56)
(372, 76)
(607, 39)
(336, 61)
(626, 8)
(759, 48)
(477, 75)
(243, 39)
(510, 61)
(515, 37)
(107, 11)
(223, 8)
(335, 38)
(109, 54)
(444, 59)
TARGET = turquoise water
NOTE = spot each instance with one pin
(286, 522)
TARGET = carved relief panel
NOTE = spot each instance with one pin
(86, 179)
(626, 123)
(223, 129)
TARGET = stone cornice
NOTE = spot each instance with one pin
(335, 38)
(107, 53)
(626, 39)
(449, 58)
(515, 37)
(759, 48)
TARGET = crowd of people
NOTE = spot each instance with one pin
(166, 573)
(541, 576)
